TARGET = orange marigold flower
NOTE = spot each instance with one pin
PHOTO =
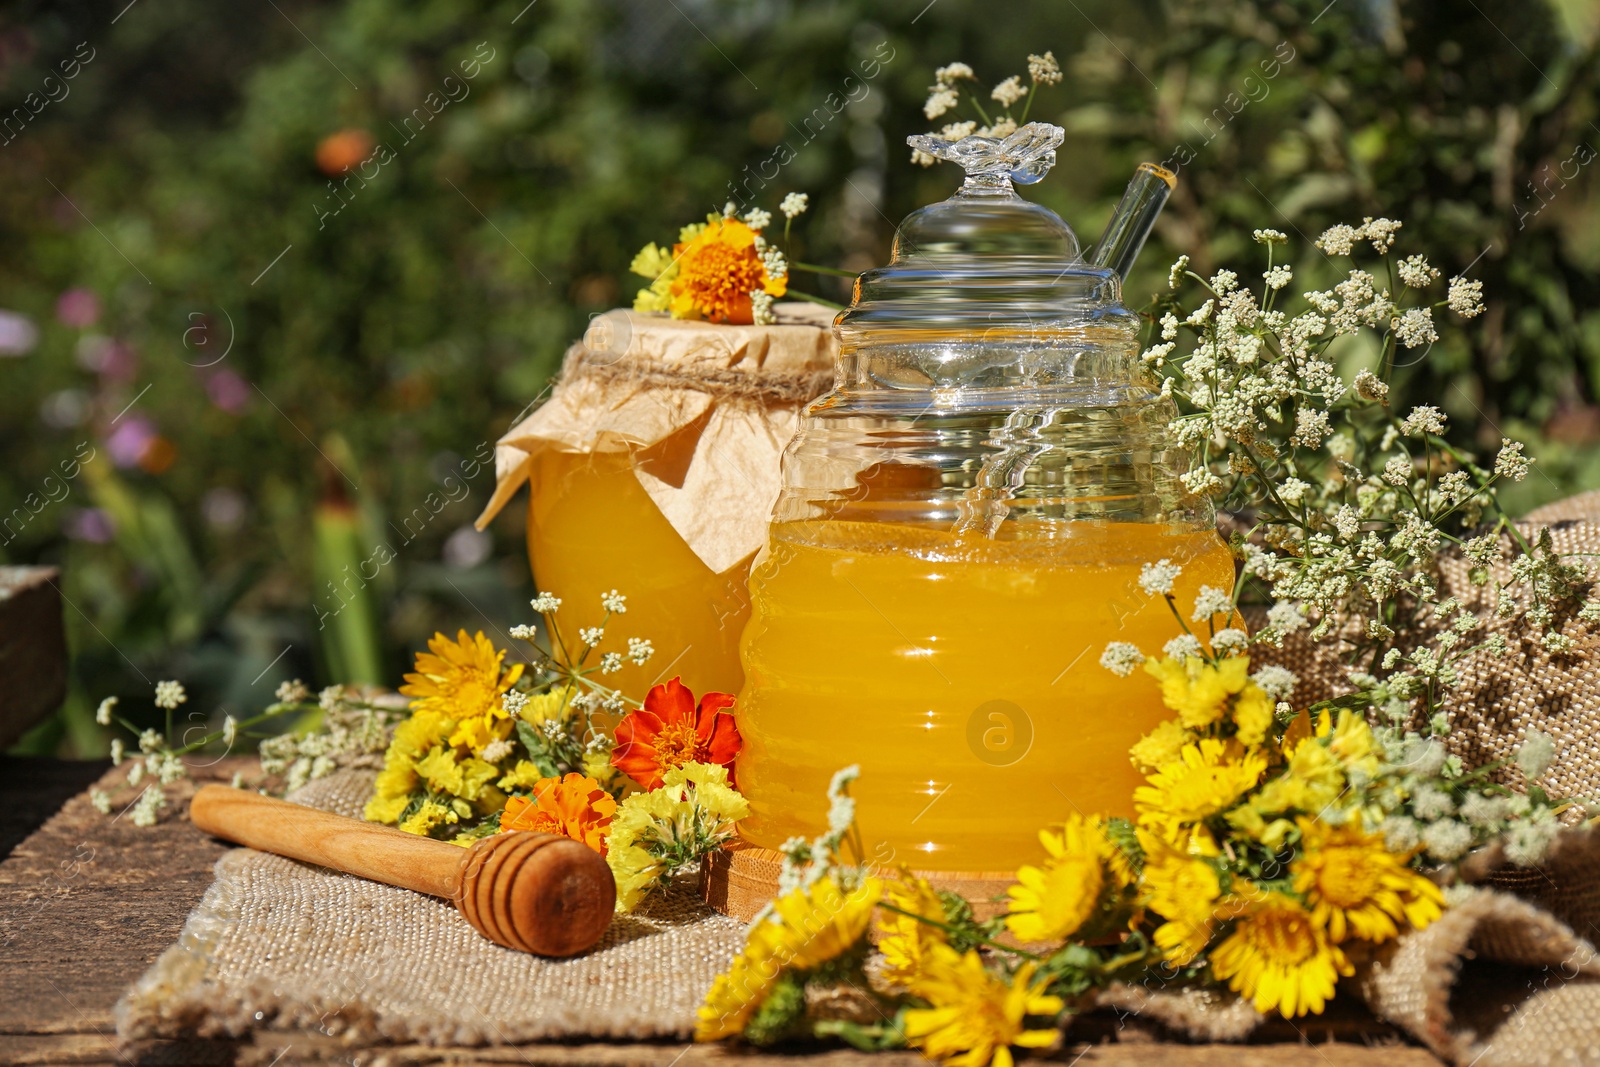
(717, 271)
(670, 730)
(574, 806)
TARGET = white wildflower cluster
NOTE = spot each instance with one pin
(640, 651)
(592, 635)
(614, 602)
(1157, 578)
(794, 205)
(545, 603)
(354, 733)
(170, 694)
(761, 312)
(102, 714)
(757, 219)
(1351, 505)
(1429, 804)
(944, 97)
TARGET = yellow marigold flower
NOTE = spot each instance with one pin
(1182, 889)
(1351, 741)
(806, 928)
(1247, 819)
(523, 776)
(418, 735)
(1050, 902)
(1195, 689)
(1356, 886)
(1252, 714)
(1160, 746)
(1311, 781)
(553, 704)
(1278, 958)
(718, 268)
(429, 814)
(1201, 783)
(477, 732)
(636, 872)
(460, 678)
(904, 941)
(469, 778)
(976, 1018)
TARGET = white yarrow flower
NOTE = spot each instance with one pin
(1447, 839)
(1338, 240)
(1277, 682)
(148, 807)
(102, 714)
(1182, 647)
(1211, 600)
(523, 632)
(1157, 578)
(514, 701)
(170, 694)
(1510, 462)
(1174, 276)
(1269, 237)
(614, 602)
(794, 205)
(101, 801)
(1465, 297)
(1424, 419)
(611, 662)
(941, 98)
(761, 313)
(1120, 658)
(1415, 327)
(1537, 751)
(1009, 91)
(230, 730)
(116, 752)
(757, 219)
(954, 72)
(545, 603)
(592, 635)
(1044, 69)
(495, 750)
(640, 650)
(292, 692)
(1230, 640)
(1416, 272)
(1286, 617)
(1278, 277)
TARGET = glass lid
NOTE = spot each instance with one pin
(985, 259)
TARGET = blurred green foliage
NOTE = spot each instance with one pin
(274, 373)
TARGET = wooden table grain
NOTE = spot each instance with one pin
(88, 901)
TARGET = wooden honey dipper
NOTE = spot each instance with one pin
(533, 892)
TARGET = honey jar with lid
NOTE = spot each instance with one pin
(960, 531)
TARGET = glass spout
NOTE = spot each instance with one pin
(1130, 223)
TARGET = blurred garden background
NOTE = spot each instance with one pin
(235, 358)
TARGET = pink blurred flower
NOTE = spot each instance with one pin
(78, 308)
(18, 334)
(228, 391)
(89, 524)
(130, 440)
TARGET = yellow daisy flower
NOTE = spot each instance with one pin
(1312, 780)
(976, 1017)
(1195, 689)
(1205, 780)
(1183, 889)
(1278, 958)
(429, 814)
(807, 928)
(906, 942)
(460, 678)
(1357, 887)
(1160, 746)
(1050, 902)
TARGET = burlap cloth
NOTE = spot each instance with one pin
(1508, 977)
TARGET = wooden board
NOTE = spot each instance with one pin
(33, 649)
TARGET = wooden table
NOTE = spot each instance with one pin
(88, 901)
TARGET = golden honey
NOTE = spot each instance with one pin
(593, 528)
(961, 673)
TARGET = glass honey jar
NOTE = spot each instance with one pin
(960, 532)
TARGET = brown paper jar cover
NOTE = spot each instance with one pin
(722, 399)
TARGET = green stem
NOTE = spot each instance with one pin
(947, 928)
(808, 298)
(812, 268)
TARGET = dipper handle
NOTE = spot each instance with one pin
(534, 892)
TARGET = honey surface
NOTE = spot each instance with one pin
(962, 675)
(592, 528)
